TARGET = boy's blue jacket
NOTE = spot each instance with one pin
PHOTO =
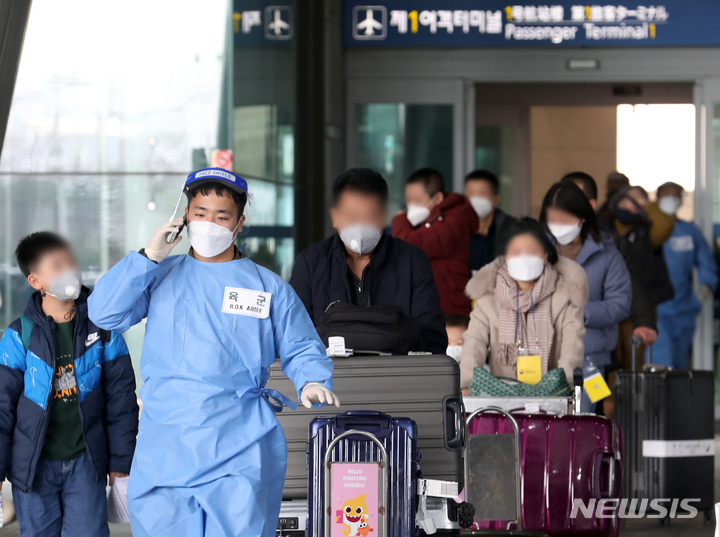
(106, 384)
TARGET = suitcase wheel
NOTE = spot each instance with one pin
(466, 514)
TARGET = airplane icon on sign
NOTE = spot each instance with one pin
(369, 22)
(278, 23)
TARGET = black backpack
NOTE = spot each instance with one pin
(377, 329)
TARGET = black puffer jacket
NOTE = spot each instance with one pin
(642, 308)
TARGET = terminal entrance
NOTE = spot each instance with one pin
(533, 134)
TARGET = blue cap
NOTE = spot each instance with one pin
(218, 175)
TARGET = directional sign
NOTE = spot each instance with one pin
(262, 23)
(501, 23)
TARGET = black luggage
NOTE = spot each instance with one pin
(667, 419)
(425, 388)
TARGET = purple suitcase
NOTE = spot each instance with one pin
(561, 459)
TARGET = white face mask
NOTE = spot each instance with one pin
(669, 204)
(565, 233)
(454, 351)
(525, 268)
(417, 214)
(65, 286)
(209, 239)
(360, 238)
(482, 206)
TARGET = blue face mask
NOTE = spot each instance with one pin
(626, 217)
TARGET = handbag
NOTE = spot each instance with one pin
(553, 384)
(379, 329)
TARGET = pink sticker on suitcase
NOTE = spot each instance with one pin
(355, 500)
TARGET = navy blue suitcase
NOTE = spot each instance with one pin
(398, 438)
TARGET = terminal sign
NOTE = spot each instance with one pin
(490, 23)
(262, 23)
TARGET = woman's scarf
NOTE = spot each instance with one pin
(514, 328)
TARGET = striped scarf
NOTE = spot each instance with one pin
(514, 328)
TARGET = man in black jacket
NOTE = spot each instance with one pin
(360, 264)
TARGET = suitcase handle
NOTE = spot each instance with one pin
(612, 478)
(635, 342)
(578, 377)
(454, 427)
(370, 420)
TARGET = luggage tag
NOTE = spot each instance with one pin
(595, 385)
(336, 347)
(438, 489)
(529, 364)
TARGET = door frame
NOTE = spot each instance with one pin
(707, 96)
(410, 91)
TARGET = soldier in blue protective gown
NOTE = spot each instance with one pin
(211, 455)
(685, 250)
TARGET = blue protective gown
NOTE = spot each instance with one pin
(684, 250)
(211, 456)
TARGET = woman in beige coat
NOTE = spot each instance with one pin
(528, 298)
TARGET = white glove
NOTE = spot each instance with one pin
(159, 248)
(314, 392)
(704, 293)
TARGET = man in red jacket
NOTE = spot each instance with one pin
(440, 224)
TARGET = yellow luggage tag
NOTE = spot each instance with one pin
(596, 387)
(529, 365)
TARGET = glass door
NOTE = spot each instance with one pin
(706, 346)
(398, 127)
(502, 147)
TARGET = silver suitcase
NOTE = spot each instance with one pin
(425, 388)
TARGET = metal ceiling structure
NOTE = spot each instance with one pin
(13, 22)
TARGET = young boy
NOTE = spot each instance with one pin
(455, 325)
(68, 409)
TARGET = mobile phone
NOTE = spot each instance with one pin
(172, 236)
